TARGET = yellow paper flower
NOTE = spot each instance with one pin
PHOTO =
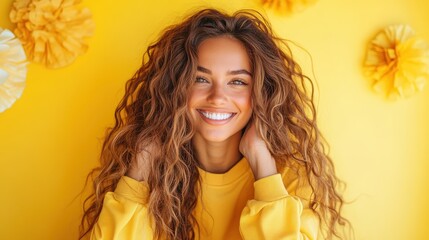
(13, 69)
(397, 62)
(53, 32)
(287, 6)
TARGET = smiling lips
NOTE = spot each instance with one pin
(216, 116)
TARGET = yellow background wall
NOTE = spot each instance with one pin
(51, 137)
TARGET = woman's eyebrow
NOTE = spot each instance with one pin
(204, 70)
(240, 71)
(233, 72)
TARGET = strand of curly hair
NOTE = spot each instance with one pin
(154, 111)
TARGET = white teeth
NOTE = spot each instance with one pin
(216, 116)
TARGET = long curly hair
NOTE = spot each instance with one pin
(154, 111)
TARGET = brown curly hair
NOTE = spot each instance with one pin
(154, 111)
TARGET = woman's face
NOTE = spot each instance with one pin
(220, 99)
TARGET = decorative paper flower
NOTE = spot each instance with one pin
(397, 61)
(287, 6)
(13, 69)
(52, 31)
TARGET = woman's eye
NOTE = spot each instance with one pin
(238, 82)
(201, 80)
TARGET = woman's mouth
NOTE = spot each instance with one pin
(216, 116)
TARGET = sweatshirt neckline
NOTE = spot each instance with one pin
(218, 179)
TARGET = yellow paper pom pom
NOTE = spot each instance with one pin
(52, 32)
(397, 62)
(287, 6)
(13, 69)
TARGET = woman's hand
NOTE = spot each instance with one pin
(254, 149)
(139, 168)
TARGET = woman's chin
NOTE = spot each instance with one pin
(220, 137)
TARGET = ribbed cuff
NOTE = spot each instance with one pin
(133, 190)
(270, 188)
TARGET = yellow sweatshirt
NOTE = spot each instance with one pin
(232, 206)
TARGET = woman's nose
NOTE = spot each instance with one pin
(216, 95)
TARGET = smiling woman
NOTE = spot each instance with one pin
(213, 141)
(220, 102)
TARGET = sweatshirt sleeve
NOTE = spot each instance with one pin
(124, 212)
(275, 214)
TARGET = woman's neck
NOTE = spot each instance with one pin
(217, 157)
